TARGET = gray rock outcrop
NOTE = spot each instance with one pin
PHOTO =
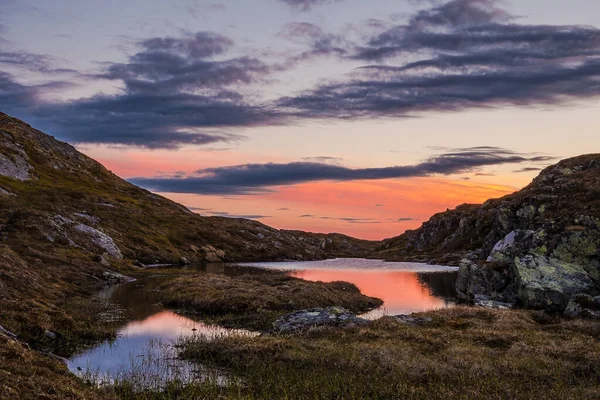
(316, 317)
(549, 283)
(101, 240)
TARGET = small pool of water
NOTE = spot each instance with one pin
(403, 287)
(144, 352)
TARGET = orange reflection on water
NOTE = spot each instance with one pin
(401, 291)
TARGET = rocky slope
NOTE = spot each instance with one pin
(53, 196)
(537, 247)
(68, 225)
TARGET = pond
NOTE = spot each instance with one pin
(145, 352)
(403, 287)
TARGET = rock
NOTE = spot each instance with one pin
(409, 319)
(50, 335)
(15, 166)
(211, 254)
(101, 240)
(487, 303)
(184, 261)
(7, 333)
(583, 305)
(516, 242)
(304, 319)
(88, 217)
(115, 278)
(474, 280)
(549, 283)
(4, 192)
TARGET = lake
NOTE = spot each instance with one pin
(146, 341)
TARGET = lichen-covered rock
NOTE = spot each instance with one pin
(549, 283)
(512, 244)
(101, 240)
(330, 316)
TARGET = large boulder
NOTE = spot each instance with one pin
(549, 283)
(476, 280)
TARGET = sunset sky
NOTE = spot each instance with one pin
(353, 116)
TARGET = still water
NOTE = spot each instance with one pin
(403, 287)
(145, 348)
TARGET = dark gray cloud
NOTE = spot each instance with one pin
(185, 64)
(305, 5)
(149, 120)
(405, 219)
(453, 56)
(528, 169)
(258, 178)
(458, 55)
(174, 94)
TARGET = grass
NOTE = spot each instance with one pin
(255, 298)
(464, 353)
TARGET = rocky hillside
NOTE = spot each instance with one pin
(537, 247)
(52, 196)
(67, 224)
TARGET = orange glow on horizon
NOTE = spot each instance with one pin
(373, 210)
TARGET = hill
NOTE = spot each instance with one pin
(536, 247)
(69, 226)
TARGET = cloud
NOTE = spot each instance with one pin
(324, 160)
(174, 93)
(345, 219)
(191, 89)
(320, 43)
(228, 215)
(168, 65)
(358, 220)
(528, 169)
(258, 178)
(305, 5)
(459, 55)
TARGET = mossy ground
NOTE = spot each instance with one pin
(464, 353)
(254, 298)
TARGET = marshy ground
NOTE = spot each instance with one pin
(462, 353)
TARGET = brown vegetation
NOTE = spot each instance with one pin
(463, 353)
(256, 298)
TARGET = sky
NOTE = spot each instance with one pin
(352, 116)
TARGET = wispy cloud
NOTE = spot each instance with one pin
(305, 5)
(229, 215)
(258, 178)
